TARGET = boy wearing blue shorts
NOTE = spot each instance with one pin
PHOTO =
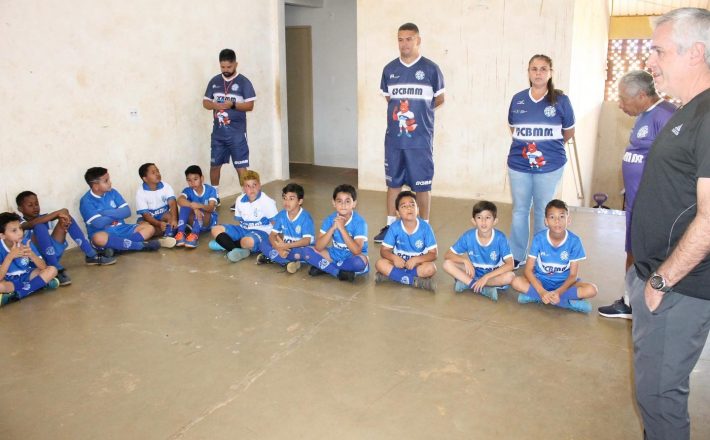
(347, 230)
(481, 259)
(155, 201)
(409, 250)
(551, 271)
(255, 212)
(22, 270)
(198, 208)
(103, 210)
(293, 230)
(49, 232)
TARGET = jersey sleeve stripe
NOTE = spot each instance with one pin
(93, 218)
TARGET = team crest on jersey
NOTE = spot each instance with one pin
(273, 254)
(25, 261)
(419, 244)
(419, 75)
(494, 255)
(550, 111)
(643, 132)
(298, 229)
(564, 256)
(404, 280)
(235, 87)
(323, 263)
(113, 204)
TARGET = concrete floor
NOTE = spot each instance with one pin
(181, 344)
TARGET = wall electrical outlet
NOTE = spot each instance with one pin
(133, 114)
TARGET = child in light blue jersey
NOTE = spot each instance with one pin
(409, 250)
(551, 271)
(254, 211)
(198, 208)
(341, 247)
(480, 259)
(104, 210)
(293, 229)
(22, 270)
(155, 201)
(51, 238)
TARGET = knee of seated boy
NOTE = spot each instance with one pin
(49, 272)
(100, 239)
(426, 270)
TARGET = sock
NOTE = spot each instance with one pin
(226, 241)
(168, 231)
(46, 248)
(124, 244)
(532, 293)
(216, 189)
(391, 219)
(136, 237)
(404, 276)
(35, 284)
(627, 301)
(196, 227)
(426, 220)
(79, 238)
(183, 216)
(569, 294)
(355, 264)
(315, 259)
(470, 285)
(268, 250)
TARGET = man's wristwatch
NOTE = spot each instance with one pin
(659, 283)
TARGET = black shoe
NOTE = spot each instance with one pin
(262, 259)
(233, 207)
(107, 252)
(618, 309)
(151, 245)
(64, 278)
(219, 202)
(346, 275)
(517, 264)
(314, 271)
(379, 238)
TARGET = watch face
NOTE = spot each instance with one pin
(656, 282)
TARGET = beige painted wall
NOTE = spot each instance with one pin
(73, 70)
(482, 48)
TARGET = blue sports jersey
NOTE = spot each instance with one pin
(356, 228)
(20, 265)
(296, 229)
(230, 122)
(410, 111)
(256, 215)
(91, 206)
(553, 263)
(537, 132)
(485, 258)
(648, 125)
(406, 245)
(154, 202)
(208, 194)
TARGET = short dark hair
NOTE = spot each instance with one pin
(93, 174)
(409, 27)
(345, 188)
(227, 55)
(7, 217)
(22, 196)
(402, 195)
(193, 169)
(556, 203)
(143, 169)
(485, 205)
(293, 188)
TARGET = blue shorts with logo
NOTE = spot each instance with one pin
(122, 231)
(235, 147)
(412, 166)
(551, 285)
(236, 233)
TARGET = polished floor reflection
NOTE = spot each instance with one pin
(182, 344)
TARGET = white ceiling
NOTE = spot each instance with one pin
(652, 7)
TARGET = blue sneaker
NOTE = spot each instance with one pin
(526, 299)
(379, 238)
(53, 284)
(580, 305)
(459, 286)
(490, 292)
(214, 246)
(191, 241)
(237, 254)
